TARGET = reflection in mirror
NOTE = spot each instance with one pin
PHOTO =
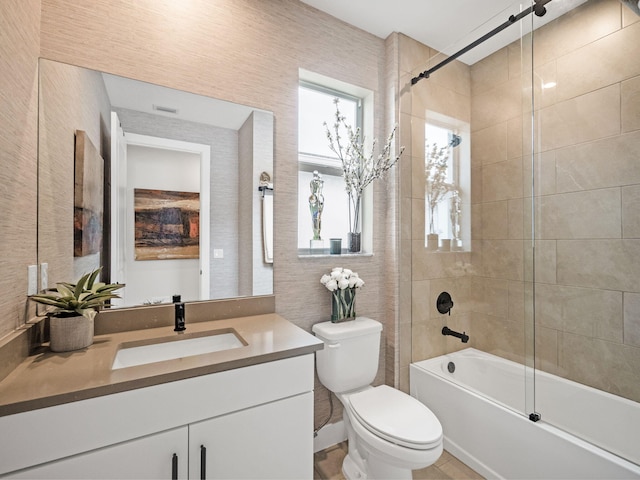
(182, 210)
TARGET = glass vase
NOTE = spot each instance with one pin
(343, 305)
(355, 242)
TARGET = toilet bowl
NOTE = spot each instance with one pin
(389, 433)
(392, 432)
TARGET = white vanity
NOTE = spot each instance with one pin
(253, 421)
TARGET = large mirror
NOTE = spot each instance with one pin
(169, 192)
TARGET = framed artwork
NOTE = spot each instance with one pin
(167, 224)
(88, 197)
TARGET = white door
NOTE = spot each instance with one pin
(271, 441)
(190, 278)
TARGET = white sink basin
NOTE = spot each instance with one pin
(130, 355)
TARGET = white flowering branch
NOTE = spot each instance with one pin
(359, 168)
(436, 173)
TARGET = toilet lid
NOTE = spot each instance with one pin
(397, 417)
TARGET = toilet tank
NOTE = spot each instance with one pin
(349, 359)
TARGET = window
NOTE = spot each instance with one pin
(316, 106)
(447, 173)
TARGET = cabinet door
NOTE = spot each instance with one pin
(162, 455)
(270, 441)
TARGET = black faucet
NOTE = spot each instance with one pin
(462, 336)
(180, 322)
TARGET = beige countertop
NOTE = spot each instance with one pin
(45, 378)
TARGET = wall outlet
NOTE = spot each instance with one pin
(32, 279)
(218, 253)
(44, 276)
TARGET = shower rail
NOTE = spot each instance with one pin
(538, 8)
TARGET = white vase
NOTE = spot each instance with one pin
(69, 333)
(432, 241)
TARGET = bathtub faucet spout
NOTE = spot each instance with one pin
(462, 336)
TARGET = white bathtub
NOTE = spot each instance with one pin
(481, 408)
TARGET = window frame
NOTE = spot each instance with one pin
(308, 162)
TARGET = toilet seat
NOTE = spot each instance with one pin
(396, 417)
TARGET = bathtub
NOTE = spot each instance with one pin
(481, 408)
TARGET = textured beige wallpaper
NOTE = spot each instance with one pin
(71, 99)
(250, 52)
(19, 48)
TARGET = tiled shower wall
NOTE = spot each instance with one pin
(587, 175)
(424, 274)
(587, 199)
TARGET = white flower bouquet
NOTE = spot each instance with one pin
(342, 283)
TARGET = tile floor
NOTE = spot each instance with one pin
(327, 465)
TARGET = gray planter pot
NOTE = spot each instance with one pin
(70, 333)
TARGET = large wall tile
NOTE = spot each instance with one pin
(454, 76)
(497, 105)
(495, 220)
(518, 136)
(547, 349)
(494, 186)
(503, 259)
(515, 218)
(587, 117)
(631, 211)
(499, 337)
(606, 264)
(595, 19)
(598, 64)
(539, 178)
(609, 162)
(490, 71)
(418, 218)
(631, 104)
(476, 185)
(601, 364)
(632, 319)
(584, 311)
(589, 214)
(489, 145)
(418, 178)
(545, 261)
(545, 85)
(517, 298)
(413, 55)
(434, 97)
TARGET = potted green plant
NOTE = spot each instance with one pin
(74, 308)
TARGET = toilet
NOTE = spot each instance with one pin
(389, 432)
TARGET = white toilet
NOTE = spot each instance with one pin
(390, 433)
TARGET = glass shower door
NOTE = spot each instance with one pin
(586, 280)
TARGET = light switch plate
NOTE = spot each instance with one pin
(218, 253)
(32, 276)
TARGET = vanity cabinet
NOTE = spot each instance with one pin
(250, 422)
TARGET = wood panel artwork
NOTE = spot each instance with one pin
(167, 224)
(88, 197)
